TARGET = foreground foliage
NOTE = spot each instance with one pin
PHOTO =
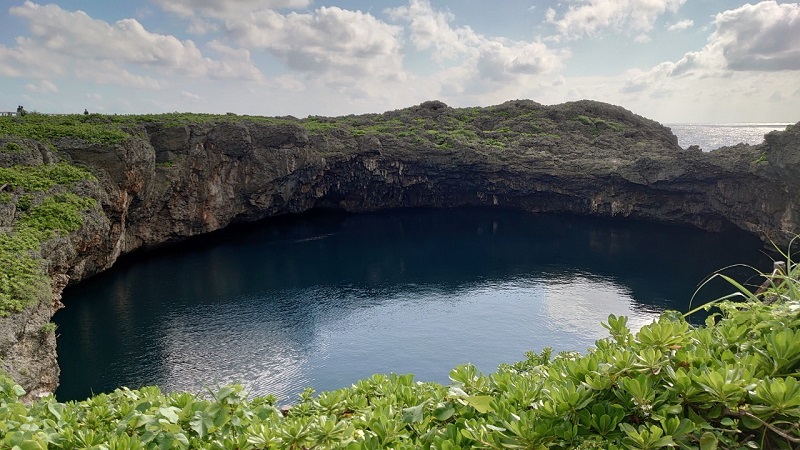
(731, 384)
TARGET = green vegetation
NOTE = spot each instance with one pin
(58, 213)
(12, 147)
(731, 384)
(107, 129)
(22, 280)
(482, 129)
(40, 178)
(599, 124)
(48, 328)
(42, 210)
(46, 128)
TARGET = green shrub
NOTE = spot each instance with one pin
(599, 124)
(12, 147)
(42, 177)
(22, 279)
(58, 213)
(24, 202)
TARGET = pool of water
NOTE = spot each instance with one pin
(326, 299)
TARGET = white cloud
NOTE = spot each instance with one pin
(225, 9)
(42, 87)
(192, 97)
(431, 29)
(642, 39)
(94, 96)
(681, 25)
(589, 17)
(751, 58)
(330, 42)
(478, 63)
(765, 36)
(761, 38)
(62, 41)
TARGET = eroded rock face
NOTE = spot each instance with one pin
(172, 182)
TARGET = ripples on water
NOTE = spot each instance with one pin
(324, 301)
(713, 136)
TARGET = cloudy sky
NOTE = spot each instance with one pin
(707, 61)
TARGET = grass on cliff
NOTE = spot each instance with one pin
(93, 128)
(731, 384)
(105, 129)
(511, 125)
(43, 207)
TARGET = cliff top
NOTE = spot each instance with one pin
(513, 124)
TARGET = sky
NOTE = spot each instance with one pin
(675, 61)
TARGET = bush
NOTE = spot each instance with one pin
(59, 213)
(22, 279)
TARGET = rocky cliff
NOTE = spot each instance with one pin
(165, 178)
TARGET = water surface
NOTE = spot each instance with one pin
(324, 300)
(713, 136)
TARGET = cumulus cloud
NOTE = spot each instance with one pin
(765, 36)
(753, 38)
(681, 25)
(481, 62)
(108, 53)
(42, 87)
(225, 9)
(329, 41)
(431, 29)
(589, 17)
(751, 61)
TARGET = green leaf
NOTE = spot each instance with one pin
(708, 441)
(413, 414)
(750, 423)
(169, 414)
(201, 424)
(480, 402)
(31, 445)
(444, 411)
(18, 391)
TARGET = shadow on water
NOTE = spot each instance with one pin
(326, 299)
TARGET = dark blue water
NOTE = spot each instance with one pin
(324, 300)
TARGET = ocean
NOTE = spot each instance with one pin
(713, 136)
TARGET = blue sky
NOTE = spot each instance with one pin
(707, 61)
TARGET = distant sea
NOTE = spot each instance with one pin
(713, 136)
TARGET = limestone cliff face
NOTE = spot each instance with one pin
(181, 181)
(170, 182)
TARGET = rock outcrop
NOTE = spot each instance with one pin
(170, 181)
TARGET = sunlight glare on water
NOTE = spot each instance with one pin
(713, 136)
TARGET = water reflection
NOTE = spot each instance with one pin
(326, 300)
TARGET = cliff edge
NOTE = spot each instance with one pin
(148, 180)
